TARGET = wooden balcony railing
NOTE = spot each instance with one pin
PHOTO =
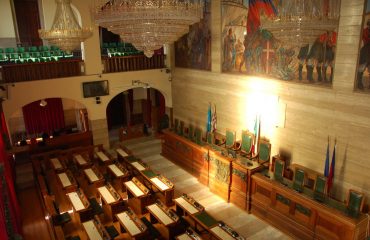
(36, 71)
(133, 63)
(10, 73)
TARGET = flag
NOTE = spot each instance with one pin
(253, 19)
(326, 170)
(256, 130)
(214, 120)
(331, 171)
(209, 118)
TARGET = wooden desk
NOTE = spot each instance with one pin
(241, 181)
(132, 224)
(205, 220)
(95, 230)
(67, 181)
(103, 157)
(186, 205)
(219, 173)
(158, 213)
(163, 187)
(112, 201)
(187, 154)
(57, 165)
(82, 161)
(221, 234)
(299, 215)
(137, 195)
(94, 176)
(190, 234)
(79, 203)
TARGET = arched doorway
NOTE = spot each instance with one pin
(135, 113)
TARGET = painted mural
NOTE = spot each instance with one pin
(363, 72)
(193, 50)
(249, 49)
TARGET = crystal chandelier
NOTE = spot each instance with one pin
(148, 24)
(299, 22)
(65, 33)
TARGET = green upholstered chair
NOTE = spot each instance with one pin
(21, 49)
(3, 57)
(33, 49)
(210, 138)
(264, 151)
(198, 136)
(319, 189)
(9, 51)
(299, 178)
(191, 132)
(176, 125)
(279, 170)
(230, 139)
(14, 57)
(355, 203)
(181, 128)
(247, 143)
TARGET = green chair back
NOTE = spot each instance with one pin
(54, 48)
(354, 203)
(181, 130)
(9, 50)
(247, 142)
(3, 57)
(1, 50)
(264, 151)
(20, 50)
(319, 190)
(176, 127)
(191, 132)
(198, 136)
(230, 139)
(279, 170)
(299, 178)
(32, 49)
(210, 138)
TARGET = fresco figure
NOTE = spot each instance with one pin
(328, 41)
(248, 51)
(364, 55)
(229, 50)
(310, 55)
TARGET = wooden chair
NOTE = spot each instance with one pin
(176, 125)
(264, 151)
(190, 134)
(198, 136)
(246, 143)
(319, 193)
(230, 139)
(355, 203)
(181, 128)
(279, 170)
(299, 178)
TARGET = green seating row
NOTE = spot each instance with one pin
(37, 56)
(30, 49)
(114, 49)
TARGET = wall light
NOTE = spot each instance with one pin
(43, 103)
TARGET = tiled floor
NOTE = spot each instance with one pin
(149, 148)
